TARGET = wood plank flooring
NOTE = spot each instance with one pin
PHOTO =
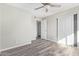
(41, 47)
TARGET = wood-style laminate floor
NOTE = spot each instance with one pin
(42, 47)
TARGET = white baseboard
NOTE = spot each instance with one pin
(15, 46)
(51, 40)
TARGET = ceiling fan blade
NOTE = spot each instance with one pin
(45, 4)
(39, 7)
(54, 5)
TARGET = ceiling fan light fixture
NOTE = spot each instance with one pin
(46, 10)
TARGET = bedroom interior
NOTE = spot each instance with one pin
(39, 29)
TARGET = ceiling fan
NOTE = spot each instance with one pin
(47, 4)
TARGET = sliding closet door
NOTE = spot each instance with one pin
(65, 29)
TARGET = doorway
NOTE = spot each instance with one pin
(38, 29)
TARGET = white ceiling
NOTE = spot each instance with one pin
(41, 12)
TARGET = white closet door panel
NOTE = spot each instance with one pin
(70, 29)
(65, 29)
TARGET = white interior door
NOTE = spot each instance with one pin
(44, 29)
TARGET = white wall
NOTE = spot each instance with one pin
(65, 26)
(78, 28)
(0, 26)
(51, 28)
(18, 27)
